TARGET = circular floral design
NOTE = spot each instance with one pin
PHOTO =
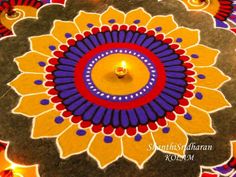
(221, 10)
(75, 95)
(15, 10)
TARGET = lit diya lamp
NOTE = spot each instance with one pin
(121, 70)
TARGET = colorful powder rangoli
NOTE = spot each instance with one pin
(12, 11)
(227, 168)
(113, 84)
(10, 169)
(223, 11)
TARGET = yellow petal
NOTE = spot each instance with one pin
(3, 161)
(32, 62)
(195, 122)
(202, 55)
(138, 16)
(138, 151)
(163, 24)
(209, 100)
(111, 16)
(105, 149)
(210, 77)
(85, 21)
(234, 148)
(44, 44)
(27, 171)
(185, 37)
(171, 139)
(74, 141)
(28, 83)
(63, 30)
(33, 105)
(49, 124)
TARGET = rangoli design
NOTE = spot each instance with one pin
(12, 11)
(227, 168)
(222, 11)
(10, 169)
(114, 84)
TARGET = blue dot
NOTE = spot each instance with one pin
(137, 21)
(81, 132)
(166, 130)
(201, 76)
(194, 56)
(108, 139)
(42, 63)
(89, 25)
(59, 120)
(179, 40)
(158, 29)
(68, 35)
(52, 47)
(112, 21)
(138, 137)
(44, 102)
(199, 95)
(188, 116)
(38, 82)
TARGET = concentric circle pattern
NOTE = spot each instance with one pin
(165, 94)
(114, 84)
